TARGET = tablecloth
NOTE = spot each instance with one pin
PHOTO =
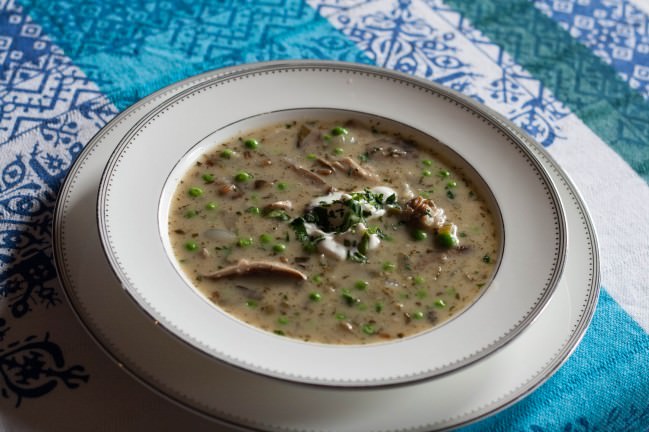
(573, 74)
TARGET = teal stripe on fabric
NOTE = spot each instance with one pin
(571, 400)
(578, 78)
(131, 48)
(624, 27)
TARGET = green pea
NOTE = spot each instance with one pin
(312, 156)
(451, 184)
(282, 186)
(378, 307)
(245, 242)
(418, 280)
(368, 329)
(210, 206)
(315, 296)
(191, 246)
(242, 176)
(317, 279)
(283, 320)
(340, 316)
(446, 240)
(195, 191)
(254, 210)
(338, 130)
(418, 315)
(440, 303)
(227, 154)
(486, 259)
(426, 173)
(420, 235)
(251, 143)
(279, 248)
(265, 238)
(388, 266)
(251, 304)
(208, 178)
(339, 151)
(427, 162)
(444, 173)
(361, 285)
(190, 214)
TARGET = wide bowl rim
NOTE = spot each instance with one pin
(352, 68)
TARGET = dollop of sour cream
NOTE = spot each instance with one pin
(332, 244)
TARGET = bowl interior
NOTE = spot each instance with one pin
(246, 127)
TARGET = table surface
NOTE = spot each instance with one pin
(573, 74)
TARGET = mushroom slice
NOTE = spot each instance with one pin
(325, 163)
(354, 169)
(245, 267)
(307, 136)
(313, 177)
(280, 205)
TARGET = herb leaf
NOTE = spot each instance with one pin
(357, 256)
(302, 236)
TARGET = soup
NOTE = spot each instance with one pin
(337, 232)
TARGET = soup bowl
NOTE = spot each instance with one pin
(139, 184)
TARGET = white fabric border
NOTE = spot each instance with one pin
(618, 201)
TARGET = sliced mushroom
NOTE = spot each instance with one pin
(346, 326)
(307, 136)
(280, 205)
(230, 190)
(313, 177)
(392, 147)
(245, 267)
(325, 163)
(301, 135)
(354, 169)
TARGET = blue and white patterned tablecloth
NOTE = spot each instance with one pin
(574, 74)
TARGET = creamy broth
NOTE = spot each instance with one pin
(333, 232)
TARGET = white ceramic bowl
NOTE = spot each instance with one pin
(143, 171)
